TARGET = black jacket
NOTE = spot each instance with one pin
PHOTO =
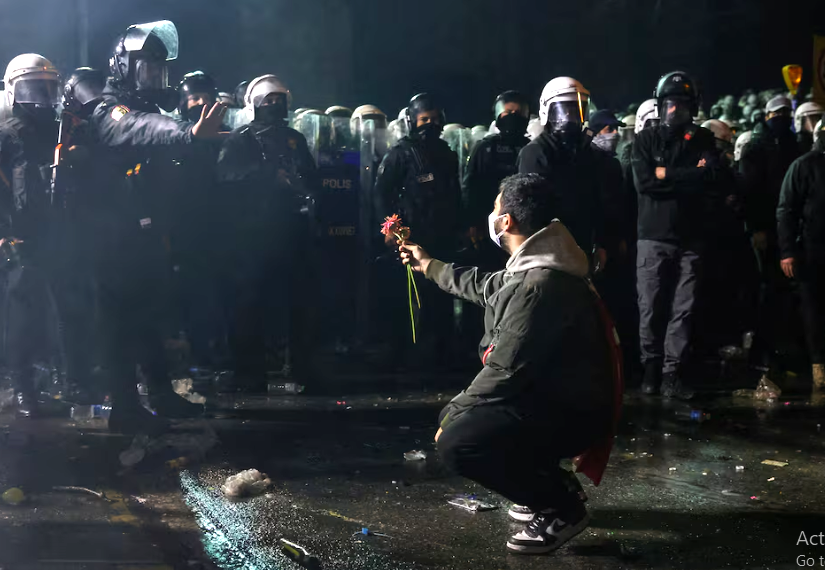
(544, 349)
(267, 175)
(419, 182)
(675, 209)
(493, 159)
(801, 211)
(764, 162)
(587, 183)
(26, 151)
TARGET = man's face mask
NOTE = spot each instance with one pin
(780, 124)
(429, 132)
(495, 235)
(675, 112)
(512, 123)
(607, 142)
(271, 109)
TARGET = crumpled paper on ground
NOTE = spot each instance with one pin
(183, 387)
(246, 484)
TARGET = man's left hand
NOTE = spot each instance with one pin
(601, 260)
(660, 172)
(438, 434)
(788, 267)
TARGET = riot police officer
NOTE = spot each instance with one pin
(133, 139)
(676, 169)
(27, 142)
(418, 179)
(587, 180)
(196, 90)
(270, 180)
(194, 210)
(495, 156)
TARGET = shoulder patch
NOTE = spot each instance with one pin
(119, 112)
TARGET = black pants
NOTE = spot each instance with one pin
(134, 298)
(811, 273)
(515, 456)
(32, 325)
(667, 276)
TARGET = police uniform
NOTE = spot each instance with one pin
(269, 179)
(133, 272)
(26, 151)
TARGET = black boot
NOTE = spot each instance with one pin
(672, 387)
(652, 377)
(174, 407)
(132, 419)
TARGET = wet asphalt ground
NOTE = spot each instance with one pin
(679, 493)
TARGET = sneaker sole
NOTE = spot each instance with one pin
(568, 535)
(522, 517)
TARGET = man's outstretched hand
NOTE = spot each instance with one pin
(209, 125)
(414, 256)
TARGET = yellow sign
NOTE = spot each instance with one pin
(819, 69)
(793, 77)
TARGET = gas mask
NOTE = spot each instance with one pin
(566, 119)
(512, 124)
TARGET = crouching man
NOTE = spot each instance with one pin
(550, 387)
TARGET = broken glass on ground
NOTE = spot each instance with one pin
(471, 503)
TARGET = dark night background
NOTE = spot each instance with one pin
(369, 51)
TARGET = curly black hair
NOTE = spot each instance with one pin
(530, 200)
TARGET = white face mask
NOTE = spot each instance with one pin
(607, 142)
(491, 224)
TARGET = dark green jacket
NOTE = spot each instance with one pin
(544, 350)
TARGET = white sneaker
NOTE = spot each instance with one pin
(548, 531)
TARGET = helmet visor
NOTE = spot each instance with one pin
(37, 91)
(563, 113)
(163, 30)
(675, 111)
(379, 120)
(151, 75)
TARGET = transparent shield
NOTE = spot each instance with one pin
(342, 138)
(318, 131)
(165, 31)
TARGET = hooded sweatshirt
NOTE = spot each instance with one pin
(544, 348)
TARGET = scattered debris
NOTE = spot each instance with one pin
(672, 469)
(416, 455)
(246, 484)
(767, 390)
(771, 479)
(13, 496)
(740, 468)
(278, 387)
(471, 503)
(299, 554)
(71, 489)
(775, 463)
(367, 532)
(184, 387)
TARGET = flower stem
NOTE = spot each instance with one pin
(410, 285)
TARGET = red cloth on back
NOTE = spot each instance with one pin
(593, 462)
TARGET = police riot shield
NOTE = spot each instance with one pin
(341, 136)
(338, 219)
(461, 142)
(235, 117)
